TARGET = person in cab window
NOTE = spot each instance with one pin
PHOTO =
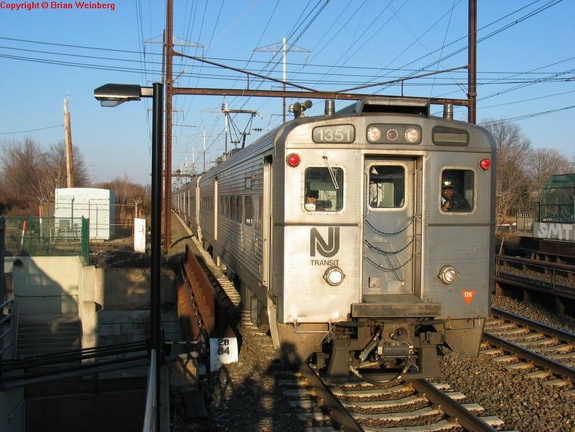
(451, 201)
(311, 201)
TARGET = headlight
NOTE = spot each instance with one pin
(448, 275)
(412, 135)
(373, 133)
(334, 276)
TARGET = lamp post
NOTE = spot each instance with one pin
(111, 95)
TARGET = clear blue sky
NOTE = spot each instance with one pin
(526, 67)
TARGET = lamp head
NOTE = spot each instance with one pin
(111, 95)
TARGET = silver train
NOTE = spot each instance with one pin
(335, 230)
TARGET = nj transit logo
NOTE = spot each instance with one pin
(325, 248)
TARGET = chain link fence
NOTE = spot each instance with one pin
(50, 235)
(36, 236)
(118, 220)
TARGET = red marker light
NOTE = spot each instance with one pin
(293, 160)
(392, 134)
(485, 164)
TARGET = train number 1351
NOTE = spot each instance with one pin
(334, 134)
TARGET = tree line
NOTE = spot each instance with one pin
(30, 175)
(521, 169)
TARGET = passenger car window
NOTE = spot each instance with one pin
(323, 189)
(240, 208)
(249, 213)
(386, 186)
(457, 191)
(259, 210)
(233, 208)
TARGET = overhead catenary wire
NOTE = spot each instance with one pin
(204, 22)
(529, 78)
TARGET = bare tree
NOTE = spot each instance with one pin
(22, 167)
(128, 194)
(544, 163)
(56, 157)
(4, 199)
(513, 184)
(126, 190)
(521, 170)
(30, 175)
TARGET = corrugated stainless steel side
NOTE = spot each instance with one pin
(238, 244)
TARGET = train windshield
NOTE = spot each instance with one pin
(386, 186)
(323, 189)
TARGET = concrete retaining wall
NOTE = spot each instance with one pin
(112, 306)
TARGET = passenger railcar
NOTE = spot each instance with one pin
(372, 273)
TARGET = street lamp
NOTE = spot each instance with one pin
(111, 95)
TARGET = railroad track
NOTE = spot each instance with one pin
(525, 344)
(362, 406)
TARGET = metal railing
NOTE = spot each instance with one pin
(553, 278)
(151, 413)
(8, 330)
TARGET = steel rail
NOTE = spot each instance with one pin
(534, 325)
(465, 418)
(537, 359)
(337, 411)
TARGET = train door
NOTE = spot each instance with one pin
(267, 264)
(390, 227)
(266, 209)
(215, 208)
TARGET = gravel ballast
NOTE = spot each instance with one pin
(246, 396)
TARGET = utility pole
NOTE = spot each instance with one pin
(194, 170)
(274, 48)
(472, 71)
(204, 151)
(203, 135)
(168, 44)
(193, 164)
(168, 82)
(226, 127)
(189, 167)
(69, 148)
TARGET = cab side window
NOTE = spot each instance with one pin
(323, 189)
(457, 191)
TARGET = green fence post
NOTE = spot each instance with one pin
(86, 239)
